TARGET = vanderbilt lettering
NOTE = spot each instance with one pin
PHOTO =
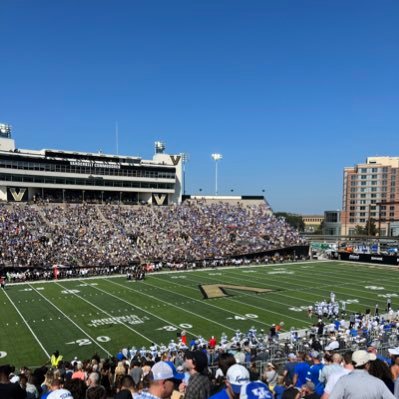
(18, 195)
(175, 159)
(160, 199)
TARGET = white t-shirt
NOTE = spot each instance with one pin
(60, 394)
(333, 378)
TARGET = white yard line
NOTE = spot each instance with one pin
(317, 288)
(27, 325)
(141, 309)
(282, 293)
(103, 311)
(68, 318)
(175, 306)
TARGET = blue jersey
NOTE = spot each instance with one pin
(220, 395)
(301, 370)
(313, 375)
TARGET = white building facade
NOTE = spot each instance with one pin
(69, 176)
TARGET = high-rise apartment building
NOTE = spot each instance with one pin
(371, 191)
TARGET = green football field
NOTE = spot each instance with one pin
(103, 315)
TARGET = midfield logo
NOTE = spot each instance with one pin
(18, 195)
(210, 291)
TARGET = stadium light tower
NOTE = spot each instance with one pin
(159, 147)
(184, 159)
(216, 157)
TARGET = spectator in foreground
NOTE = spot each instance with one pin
(236, 377)
(8, 389)
(290, 392)
(58, 392)
(308, 391)
(289, 368)
(162, 382)
(359, 384)
(77, 388)
(335, 376)
(199, 386)
(301, 370)
(127, 388)
(255, 390)
(93, 384)
(279, 387)
(380, 369)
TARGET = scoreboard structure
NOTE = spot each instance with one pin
(69, 176)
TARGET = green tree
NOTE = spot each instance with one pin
(320, 228)
(292, 219)
(359, 230)
(369, 229)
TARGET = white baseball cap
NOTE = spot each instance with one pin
(237, 375)
(361, 357)
(162, 371)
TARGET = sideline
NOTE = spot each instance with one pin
(174, 271)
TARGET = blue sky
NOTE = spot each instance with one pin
(289, 92)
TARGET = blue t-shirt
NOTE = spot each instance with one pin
(301, 369)
(220, 395)
(313, 375)
(278, 391)
(290, 368)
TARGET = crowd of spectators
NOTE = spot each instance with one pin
(187, 374)
(80, 235)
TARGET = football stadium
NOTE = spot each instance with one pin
(105, 263)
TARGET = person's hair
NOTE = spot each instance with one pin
(97, 392)
(56, 382)
(127, 382)
(301, 356)
(380, 369)
(5, 370)
(147, 380)
(94, 377)
(225, 361)
(347, 356)
(199, 359)
(336, 358)
(76, 387)
(362, 367)
(23, 379)
(49, 378)
(328, 358)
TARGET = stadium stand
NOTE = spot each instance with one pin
(80, 235)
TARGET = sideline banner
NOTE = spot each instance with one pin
(370, 258)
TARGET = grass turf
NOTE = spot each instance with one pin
(103, 315)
